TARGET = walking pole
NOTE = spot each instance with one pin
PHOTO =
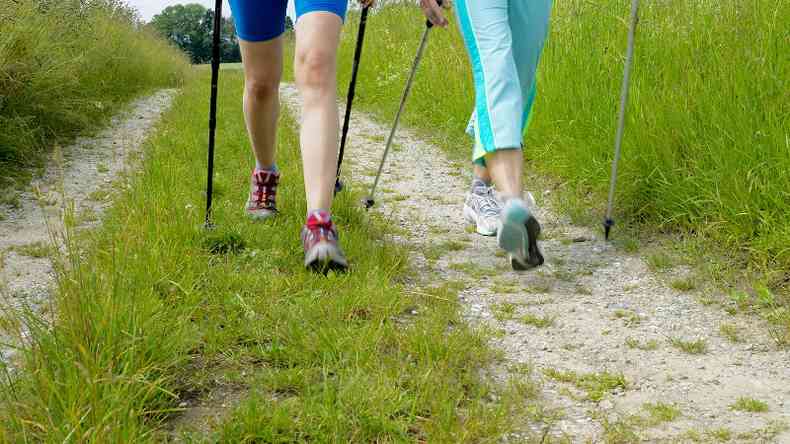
(350, 98)
(212, 113)
(369, 201)
(608, 221)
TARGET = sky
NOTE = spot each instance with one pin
(149, 8)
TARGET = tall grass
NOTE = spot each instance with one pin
(707, 146)
(66, 66)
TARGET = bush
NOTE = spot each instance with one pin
(65, 66)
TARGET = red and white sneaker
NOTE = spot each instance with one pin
(263, 190)
(319, 239)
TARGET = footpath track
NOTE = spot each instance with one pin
(79, 178)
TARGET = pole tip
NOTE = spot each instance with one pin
(607, 227)
(338, 186)
(368, 202)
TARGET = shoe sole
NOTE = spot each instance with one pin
(471, 217)
(519, 232)
(259, 216)
(325, 257)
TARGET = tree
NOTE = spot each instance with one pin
(190, 28)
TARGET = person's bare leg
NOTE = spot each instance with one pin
(315, 66)
(263, 66)
(506, 168)
(482, 173)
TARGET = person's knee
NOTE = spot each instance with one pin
(262, 88)
(315, 69)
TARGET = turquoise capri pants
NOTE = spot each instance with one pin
(504, 39)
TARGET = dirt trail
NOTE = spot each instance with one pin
(78, 176)
(597, 297)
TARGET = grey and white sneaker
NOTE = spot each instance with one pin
(518, 235)
(482, 209)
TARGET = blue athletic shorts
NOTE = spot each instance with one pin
(261, 20)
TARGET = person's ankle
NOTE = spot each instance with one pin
(320, 213)
(271, 168)
(480, 186)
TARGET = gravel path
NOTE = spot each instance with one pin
(596, 298)
(78, 176)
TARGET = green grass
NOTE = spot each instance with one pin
(596, 385)
(731, 332)
(684, 284)
(696, 347)
(660, 412)
(752, 405)
(65, 67)
(721, 434)
(154, 311)
(705, 149)
(537, 321)
(649, 345)
(35, 249)
(629, 317)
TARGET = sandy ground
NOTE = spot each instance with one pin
(78, 177)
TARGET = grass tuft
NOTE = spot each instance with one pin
(660, 412)
(224, 243)
(35, 249)
(731, 332)
(752, 405)
(596, 385)
(538, 321)
(696, 347)
(649, 345)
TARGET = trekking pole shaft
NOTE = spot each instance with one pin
(352, 85)
(623, 105)
(405, 95)
(212, 113)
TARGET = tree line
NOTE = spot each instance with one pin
(190, 28)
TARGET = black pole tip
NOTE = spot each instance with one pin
(338, 186)
(209, 226)
(368, 202)
(607, 227)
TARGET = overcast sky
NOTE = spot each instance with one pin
(149, 8)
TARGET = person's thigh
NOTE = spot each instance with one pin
(262, 61)
(256, 22)
(498, 101)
